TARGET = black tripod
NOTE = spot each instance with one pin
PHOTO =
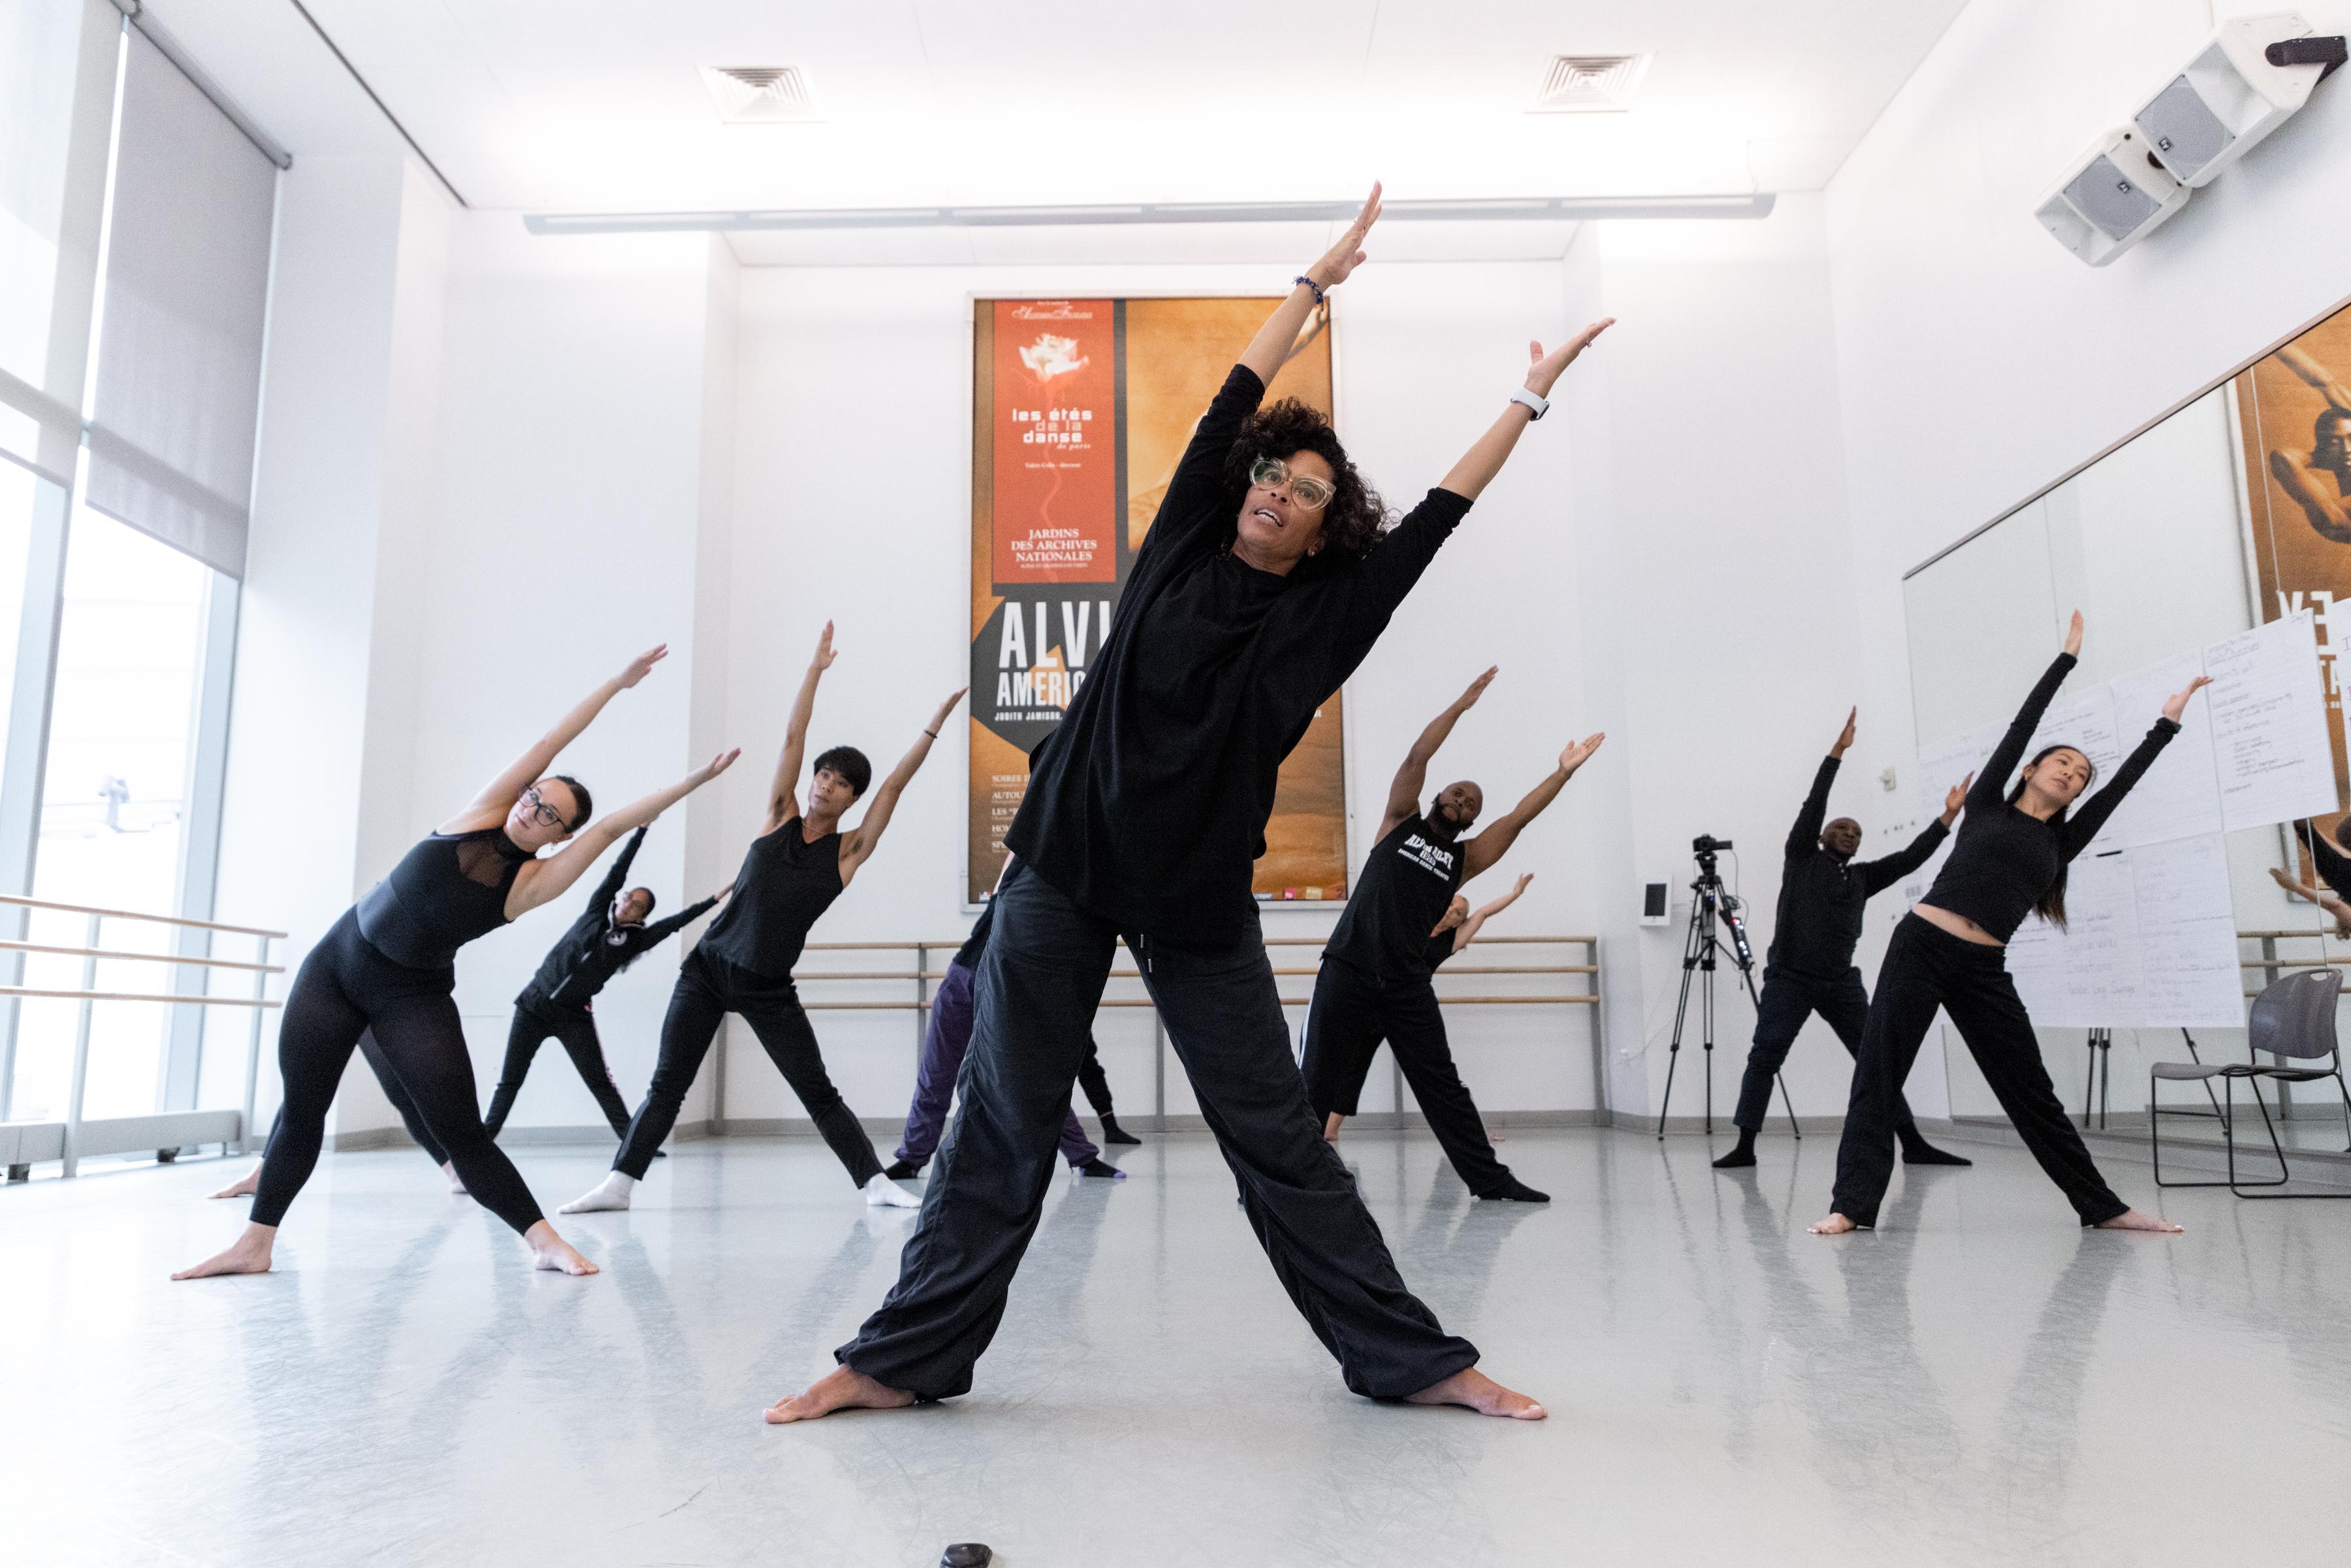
(1710, 902)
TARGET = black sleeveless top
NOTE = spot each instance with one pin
(784, 886)
(1403, 892)
(446, 890)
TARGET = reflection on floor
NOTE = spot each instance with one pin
(1980, 1383)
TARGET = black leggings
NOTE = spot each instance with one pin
(394, 1093)
(1094, 1080)
(575, 1030)
(1788, 999)
(346, 988)
(1928, 968)
(1352, 1012)
(708, 989)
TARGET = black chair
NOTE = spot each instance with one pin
(2293, 1018)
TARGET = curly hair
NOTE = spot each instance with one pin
(1352, 521)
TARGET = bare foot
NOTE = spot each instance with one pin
(1834, 1225)
(250, 1255)
(551, 1252)
(2132, 1219)
(843, 1388)
(243, 1187)
(457, 1182)
(1473, 1390)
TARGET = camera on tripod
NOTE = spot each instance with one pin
(1705, 847)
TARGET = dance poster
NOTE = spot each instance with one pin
(1080, 409)
(2293, 411)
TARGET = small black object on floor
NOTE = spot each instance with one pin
(966, 1554)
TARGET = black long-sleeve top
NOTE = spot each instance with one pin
(2005, 859)
(2332, 868)
(595, 949)
(1822, 893)
(1147, 804)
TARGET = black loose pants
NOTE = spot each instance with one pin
(1039, 983)
(1352, 1012)
(1788, 999)
(575, 1030)
(707, 989)
(1928, 968)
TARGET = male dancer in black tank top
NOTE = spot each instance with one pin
(793, 871)
(610, 935)
(1809, 966)
(1375, 983)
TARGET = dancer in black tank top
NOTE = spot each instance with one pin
(1376, 980)
(2007, 862)
(799, 865)
(1263, 582)
(2333, 868)
(388, 966)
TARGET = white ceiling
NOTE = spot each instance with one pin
(597, 105)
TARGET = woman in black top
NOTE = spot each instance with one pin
(611, 934)
(1261, 585)
(795, 868)
(2008, 862)
(388, 964)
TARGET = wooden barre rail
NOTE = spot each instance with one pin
(10, 898)
(140, 957)
(198, 999)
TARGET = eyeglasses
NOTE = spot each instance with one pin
(542, 814)
(1304, 488)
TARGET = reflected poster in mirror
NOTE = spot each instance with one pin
(2293, 411)
(1080, 409)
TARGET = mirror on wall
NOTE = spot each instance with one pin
(2218, 541)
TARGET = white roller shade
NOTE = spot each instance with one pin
(187, 279)
(56, 111)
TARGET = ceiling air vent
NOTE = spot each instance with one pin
(1589, 84)
(759, 95)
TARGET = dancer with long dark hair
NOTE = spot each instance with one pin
(611, 934)
(2007, 861)
(800, 862)
(1263, 582)
(388, 964)
(1375, 981)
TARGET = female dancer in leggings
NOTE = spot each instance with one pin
(799, 865)
(388, 964)
(1261, 585)
(2008, 862)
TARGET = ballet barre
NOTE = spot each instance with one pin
(165, 1132)
(923, 976)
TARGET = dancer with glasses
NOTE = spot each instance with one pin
(388, 964)
(1377, 980)
(800, 862)
(1245, 609)
(1949, 952)
(610, 935)
(1809, 966)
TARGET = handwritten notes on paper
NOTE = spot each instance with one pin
(2268, 707)
(2151, 942)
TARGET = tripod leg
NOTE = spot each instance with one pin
(1707, 1015)
(1681, 1011)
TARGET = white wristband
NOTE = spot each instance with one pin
(1537, 406)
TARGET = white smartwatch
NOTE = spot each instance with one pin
(1536, 406)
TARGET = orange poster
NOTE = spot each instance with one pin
(1080, 409)
(1055, 507)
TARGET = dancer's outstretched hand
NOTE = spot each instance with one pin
(642, 665)
(1543, 370)
(1341, 259)
(1955, 798)
(825, 654)
(1469, 699)
(1575, 755)
(2178, 704)
(2074, 636)
(1845, 735)
(715, 766)
(939, 719)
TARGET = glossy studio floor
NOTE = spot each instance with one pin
(1978, 1383)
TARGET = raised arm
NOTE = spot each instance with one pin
(2079, 827)
(609, 888)
(1804, 837)
(857, 844)
(661, 931)
(1477, 466)
(2334, 868)
(1879, 875)
(498, 797)
(1403, 790)
(1495, 841)
(1992, 783)
(541, 880)
(1467, 932)
(781, 788)
(1272, 347)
